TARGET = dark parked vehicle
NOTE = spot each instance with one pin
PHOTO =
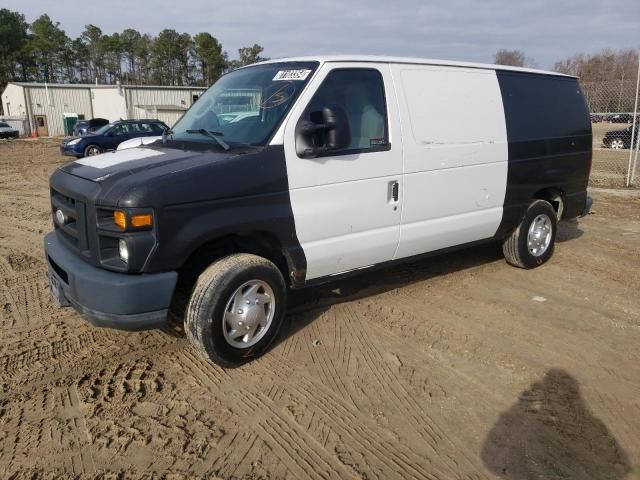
(110, 136)
(618, 139)
(597, 118)
(621, 118)
(7, 131)
(83, 127)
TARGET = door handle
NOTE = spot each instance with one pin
(394, 190)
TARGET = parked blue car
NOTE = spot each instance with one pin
(83, 127)
(110, 136)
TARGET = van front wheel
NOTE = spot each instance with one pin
(533, 242)
(236, 309)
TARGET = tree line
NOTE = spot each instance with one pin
(41, 51)
(604, 66)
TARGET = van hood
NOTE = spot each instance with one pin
(150, 162)
(153, 176)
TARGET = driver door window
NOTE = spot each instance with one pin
(360, 94)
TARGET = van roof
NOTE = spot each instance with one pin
(409, 60)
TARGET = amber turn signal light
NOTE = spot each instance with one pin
(120, 219)
(139, 220)
(142, 220)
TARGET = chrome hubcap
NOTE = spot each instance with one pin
(616, 144)
(539, 237)
(93, 151)
(248, 314)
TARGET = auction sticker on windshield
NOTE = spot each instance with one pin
(300, 74)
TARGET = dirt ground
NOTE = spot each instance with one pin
(456, 367)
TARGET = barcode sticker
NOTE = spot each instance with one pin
(301, 74)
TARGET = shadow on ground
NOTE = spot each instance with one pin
(568, 230)
(551, 434)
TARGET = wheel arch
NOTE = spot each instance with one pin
(258, 242)
(555, 196)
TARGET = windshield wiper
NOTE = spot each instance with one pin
(217, 136)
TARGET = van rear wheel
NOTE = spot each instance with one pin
(236, 309)
(533, 242)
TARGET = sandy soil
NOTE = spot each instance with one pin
(457, 367)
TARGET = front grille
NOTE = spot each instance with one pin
(73, 229)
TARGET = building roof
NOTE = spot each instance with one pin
(409, 60)
(92, 85)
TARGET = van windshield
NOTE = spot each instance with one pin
(244, 107)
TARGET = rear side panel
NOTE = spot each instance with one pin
(455, 156)
(549, 136)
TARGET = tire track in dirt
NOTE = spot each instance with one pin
(449, 329)
(32, 367)
(326, 355)
(258, 405)
(290, 441)
(380, 458)
(15, 363)
(28, 430)
(527, 343)
(73, 432)
(391, 386)
(26, 300)
(243, 445)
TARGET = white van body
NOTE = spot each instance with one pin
(447, 126)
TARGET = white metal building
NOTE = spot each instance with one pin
(45, 106)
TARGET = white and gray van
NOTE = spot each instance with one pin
(297, 171)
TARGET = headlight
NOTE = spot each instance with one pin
(73, 142)
(124, 250)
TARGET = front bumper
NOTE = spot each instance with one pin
(14, 134)
(108, 299)
(69, 151)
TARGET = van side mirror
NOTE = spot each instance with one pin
(327, 130)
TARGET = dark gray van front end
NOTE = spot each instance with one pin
(107, 299)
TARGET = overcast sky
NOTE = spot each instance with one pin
(545, 30)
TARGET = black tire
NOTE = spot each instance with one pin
(204, 320)
(515, 247)
(89, 149)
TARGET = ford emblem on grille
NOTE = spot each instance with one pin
(61, 217)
